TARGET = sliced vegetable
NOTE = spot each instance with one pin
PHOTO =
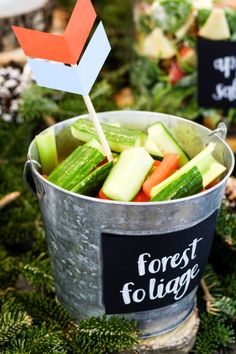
(101, 195)
(76, 166)
(214, 171)
(157, 45)
(166, 142)
(128, 174)
(168, 165)
(156, 163)
(176, 73)
(153, 149)
(46, 144)
(141, 197)
(94, 143)
(94, 181)
(118, 138)
(216, 26)
(186, 26)
(187, 59)
(187, 184)
(205, 163)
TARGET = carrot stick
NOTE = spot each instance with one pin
(167, 166)
(156, 163)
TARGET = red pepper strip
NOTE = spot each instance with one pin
(101, 195)
(213, 183)
(103, 162)
(175, 73)
(141, 197)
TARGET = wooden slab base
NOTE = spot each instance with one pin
(178, 341)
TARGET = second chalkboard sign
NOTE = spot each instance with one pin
(216, 74)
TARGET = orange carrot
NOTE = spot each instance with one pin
(167, 166)
(141, 197)
(156, 163)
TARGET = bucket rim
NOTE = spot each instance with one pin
(129, 204)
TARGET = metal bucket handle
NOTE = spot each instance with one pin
(28, 175)
(220, 131)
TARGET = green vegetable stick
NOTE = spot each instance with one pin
(46, 144)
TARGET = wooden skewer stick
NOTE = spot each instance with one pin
(98, 127)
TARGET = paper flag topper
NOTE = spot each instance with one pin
(65, 48)
(49, 53)
(77, 79)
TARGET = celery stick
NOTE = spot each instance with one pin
(46, 144)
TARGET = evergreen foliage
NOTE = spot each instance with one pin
(37, 340)
(12, 323)
(61, 105)
(213, 334)
(106, 336)
(226, 227)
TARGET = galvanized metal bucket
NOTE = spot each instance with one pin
(74, 223)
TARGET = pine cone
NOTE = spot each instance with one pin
(13, 82)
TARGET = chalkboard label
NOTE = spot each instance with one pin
(216, 74)
(148, 272)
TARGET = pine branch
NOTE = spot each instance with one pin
(12, 323)
(213, 334)
(226, 306)
(60, 105)
(43, 309)
(226, 226)
(21, 223)
(8, 272)
(102, 335)
(41, 99)
(229, 285)
(38, 340)
(212, 282)
(219, 304)
(37, 272)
